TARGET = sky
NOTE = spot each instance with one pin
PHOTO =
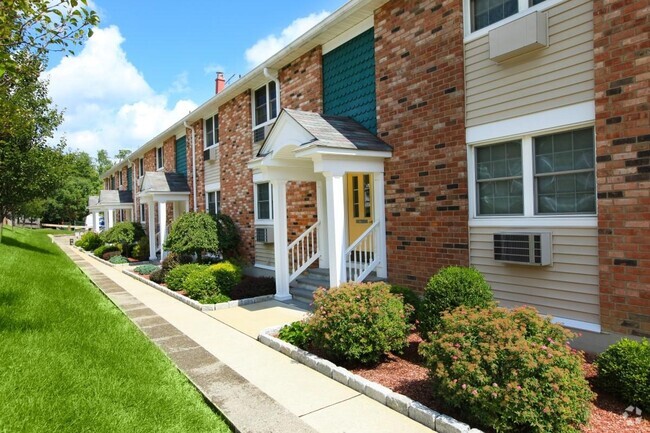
(151, 62)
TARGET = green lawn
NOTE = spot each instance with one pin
(70, 361)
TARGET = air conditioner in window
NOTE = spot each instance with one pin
(210, 154)
(264, 235)
(260, 134)
(523, 248)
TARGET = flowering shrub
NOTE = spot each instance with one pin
(175, 278)
(411, 298)
(624, 370)
(511, 370)
(358, 322)
(452, 287)
(226, 276)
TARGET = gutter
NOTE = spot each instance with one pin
(188, 126)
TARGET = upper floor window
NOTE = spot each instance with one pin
(212, 131)
(488, 12)
(121, 179)
(265, 103)
(160, 163)
(141, 167)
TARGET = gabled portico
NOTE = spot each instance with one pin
(346, 161)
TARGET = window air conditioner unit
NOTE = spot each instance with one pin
(264, 235)
(210, 154)
(523, 248)
(259, 134)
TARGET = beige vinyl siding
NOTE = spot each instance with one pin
(212, 171)
(557, 76)
(568, 288)
(264, 254)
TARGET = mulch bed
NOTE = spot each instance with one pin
(406, 375)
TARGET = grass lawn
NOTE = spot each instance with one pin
(70, 361)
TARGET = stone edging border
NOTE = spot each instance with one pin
(106, 262)
(195, 304)
(398, 402)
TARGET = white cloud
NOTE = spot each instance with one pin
(271, 44)
(108, 103)
(212, 69)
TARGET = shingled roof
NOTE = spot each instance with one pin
(157, 181)
(114, 197)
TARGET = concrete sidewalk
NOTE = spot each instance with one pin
(255, 387)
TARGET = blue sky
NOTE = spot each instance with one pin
(150, 63)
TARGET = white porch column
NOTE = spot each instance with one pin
(335, 187)
(96, 222)
(380, 216)
(321, 211)
(162, 222)
(151, 228)
(281, 243)
(111, 216)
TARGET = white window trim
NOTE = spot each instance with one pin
(140, 167)
(215, 187)
(529, 218)
(143, 220)
(205, 133)
(524, 9)
(268, 106)
(263, 221)
(160, 162)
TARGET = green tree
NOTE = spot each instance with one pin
(193, 233)
(102, 162)
(121, 155)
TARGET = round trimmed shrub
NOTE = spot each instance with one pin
(452, 287)
(158, 276)
(226, 275)
(199, 284)
(193, 233)
(124, 233)
(104, 249)
(359, 322)
(89, 241)
(624, 370)
(118, 260)
(146, 269)
(175, 278)
(510, 370)
(140, 250)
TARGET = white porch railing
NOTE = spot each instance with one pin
(361, 257)
(304, 251)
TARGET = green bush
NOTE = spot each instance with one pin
(452, 287)
(200, 283)
(410, 298)
(170, 262)
(99, 252)
(214, 299)
(146, 269)
(118, 260)
(226, 275)
(89, 241)
(227, 234)
(175, 278)
(140, 250)
(510, 370)
(158, 276)
(250, 287)
(296, 333)
(124, 233)
(359, 322)
(624, 370)
(194, 234)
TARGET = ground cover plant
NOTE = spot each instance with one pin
(146, 269)
(118, 260)
(72, 362)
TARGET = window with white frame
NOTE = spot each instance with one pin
(484, 13)
(556, 171)
(141, 167)
(213, 199)
(143, 215)
(121, 180)
(160, 163)
(212, 131)
(265, 104)
(263, 202)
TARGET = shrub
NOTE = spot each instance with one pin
(227, 234)
(158, 276)
(146, 269)
(89, 241)
(511, 370)
(140, 250)
(250, 287)
(296, 333)
(170, 262)
(193, 233)
(99, 252)
(200, 283)
(624, 370)
(175, 278)
(226, 276)
(410, 298)
(118, 260)
(452, 287)
(214, 299)
(359, 322)
(124, 233)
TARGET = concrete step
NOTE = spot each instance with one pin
(302, 294)
(309, 280)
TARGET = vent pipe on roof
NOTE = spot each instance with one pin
(219, 83)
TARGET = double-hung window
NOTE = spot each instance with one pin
(263, 202)
(214, 202)
(121, 180)
(484, 13)
(212, 131)
(143, 215)
(160, 163)
(265, 104)
(141, 167)
(551, 174)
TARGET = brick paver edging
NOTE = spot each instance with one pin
(398, 402)
(195, 304)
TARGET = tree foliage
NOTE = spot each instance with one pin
(193, 233)
(102, 162)
(124, 233)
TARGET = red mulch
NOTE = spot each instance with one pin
(405, 374)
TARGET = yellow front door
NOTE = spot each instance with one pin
(360, 209)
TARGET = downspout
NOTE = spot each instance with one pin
(193, 163)
(272, 74)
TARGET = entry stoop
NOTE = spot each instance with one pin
(302, 288)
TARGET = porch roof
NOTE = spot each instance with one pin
(160, 182)
(93, 200)
(114, 198)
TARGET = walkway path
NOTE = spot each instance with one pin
(256, 388)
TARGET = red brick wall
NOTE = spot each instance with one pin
(200, 166)
(150, 160)
(420, 112)
(622, 78)
(301, 82)
(235, 148)
(169, 151)
(301, 208)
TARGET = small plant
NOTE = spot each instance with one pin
(200, 284)
(104, 249)
(410, 298)
(170, 262)
(251, 287)
(140, 250)
(214, 299)
(158, 276)
(175, 278)
(146, 269)
(193, 233)
(226, 275)
(511, 370)
(452, 287)
(89, 241)
(296, 333)
(118, 260)
(359, 322)
(624, 370)
(228, 235)
(124, 233)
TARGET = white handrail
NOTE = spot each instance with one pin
(304, 251)
(361, 257)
